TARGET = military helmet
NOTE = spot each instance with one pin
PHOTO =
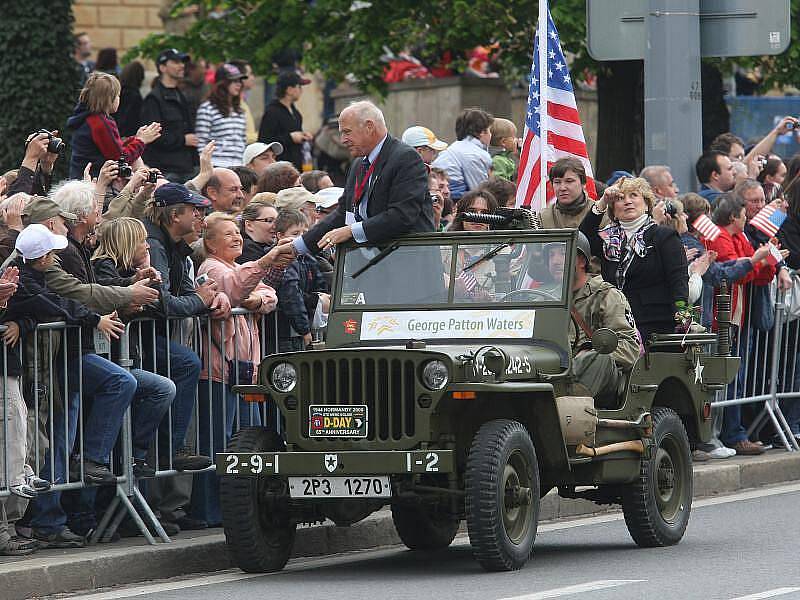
(583, 247)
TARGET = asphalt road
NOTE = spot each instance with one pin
(742, 547)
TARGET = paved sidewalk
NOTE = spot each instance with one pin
(131, 560)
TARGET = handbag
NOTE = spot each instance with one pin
(238, 371)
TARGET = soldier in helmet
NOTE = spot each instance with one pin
(595, 304)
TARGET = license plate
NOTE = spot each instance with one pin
(340, 487)
(326, 420)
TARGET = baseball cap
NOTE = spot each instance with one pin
(616, 176)
(170, 194)
(422, 136)
(37, 240)
(171, 54)
(291, 79)
(229, 72)
(293, 197)
(39, 209)
(259, 148)
(327, 197)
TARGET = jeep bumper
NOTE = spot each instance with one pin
(335, 463)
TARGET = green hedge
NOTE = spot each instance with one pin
(38, 75)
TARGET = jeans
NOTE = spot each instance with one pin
(112, 389)
(205, 491)
(154, 394)
(184, 371)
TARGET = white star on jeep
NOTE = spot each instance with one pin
(698, 372)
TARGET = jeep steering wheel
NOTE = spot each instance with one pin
(529, 294)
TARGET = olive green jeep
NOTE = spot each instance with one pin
(444, 390)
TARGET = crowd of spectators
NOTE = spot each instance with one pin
(175, 208)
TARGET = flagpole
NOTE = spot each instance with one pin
(543, 83)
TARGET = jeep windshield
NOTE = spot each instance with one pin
(453, 272)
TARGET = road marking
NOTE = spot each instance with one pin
(591, 586)
(769, 593)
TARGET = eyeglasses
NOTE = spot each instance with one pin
(264, 220)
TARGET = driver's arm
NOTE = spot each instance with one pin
(616, 314)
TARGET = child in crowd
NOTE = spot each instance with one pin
(302, 295)
(504, 149)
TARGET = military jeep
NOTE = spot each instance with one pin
(444, 390)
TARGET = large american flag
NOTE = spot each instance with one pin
(551, 114)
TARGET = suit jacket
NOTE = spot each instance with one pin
(397, 197)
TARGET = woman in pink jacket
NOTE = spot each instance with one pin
(236, 337)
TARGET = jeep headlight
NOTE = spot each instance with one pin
(283, 377)
(435, 375)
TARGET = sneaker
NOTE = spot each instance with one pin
(748, 448)
(142, 470)
(722, 452)
(19, 547)
(23, 490)
(186, 461)
(700, 456)
(63, 539)
(37, 483)
(93, 472)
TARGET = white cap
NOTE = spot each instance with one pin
(422, 136)
(327, 197)
(37, 240)
(257, 148)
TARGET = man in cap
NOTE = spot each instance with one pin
(174, 152)
(598, 304)
(424, 141)
(259, 156)
(326, 201)
(224, 190)
(298, 198)
(111, 387)
(282, 122)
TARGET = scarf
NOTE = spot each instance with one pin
(574, 208)
(623, 240)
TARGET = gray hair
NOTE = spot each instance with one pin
(655, 174)
(745, 186)
(76, 197)
(364, 111)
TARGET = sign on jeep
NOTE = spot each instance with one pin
(445, 390)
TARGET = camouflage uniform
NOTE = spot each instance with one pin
(600, 304)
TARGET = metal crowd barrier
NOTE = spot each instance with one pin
(41, 392)
(769, 371)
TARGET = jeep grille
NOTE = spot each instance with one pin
(386, 386)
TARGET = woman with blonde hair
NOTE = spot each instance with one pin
(95, 137)
(646, 261)
(122, 258)
(231, 349)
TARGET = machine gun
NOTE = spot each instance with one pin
(505, 218)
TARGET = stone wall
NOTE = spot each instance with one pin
(117, 24)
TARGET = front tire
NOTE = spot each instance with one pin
(657, 505)
(421, 529)
(502, 495)
(258, 532)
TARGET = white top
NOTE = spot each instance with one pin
(229, 133)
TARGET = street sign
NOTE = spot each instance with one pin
(617, 29)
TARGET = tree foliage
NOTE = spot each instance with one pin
(37, 70)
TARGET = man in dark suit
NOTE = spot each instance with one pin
(386, 194)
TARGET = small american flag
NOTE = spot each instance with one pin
(706, 228)
(552, 115)
(768, 220)
(468, 279)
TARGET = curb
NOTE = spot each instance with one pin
(101, 566)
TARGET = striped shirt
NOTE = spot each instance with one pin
(228, 132)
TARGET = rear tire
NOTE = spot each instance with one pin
(657, 505)
(420, 529)
(258, 532)
(502, 495)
